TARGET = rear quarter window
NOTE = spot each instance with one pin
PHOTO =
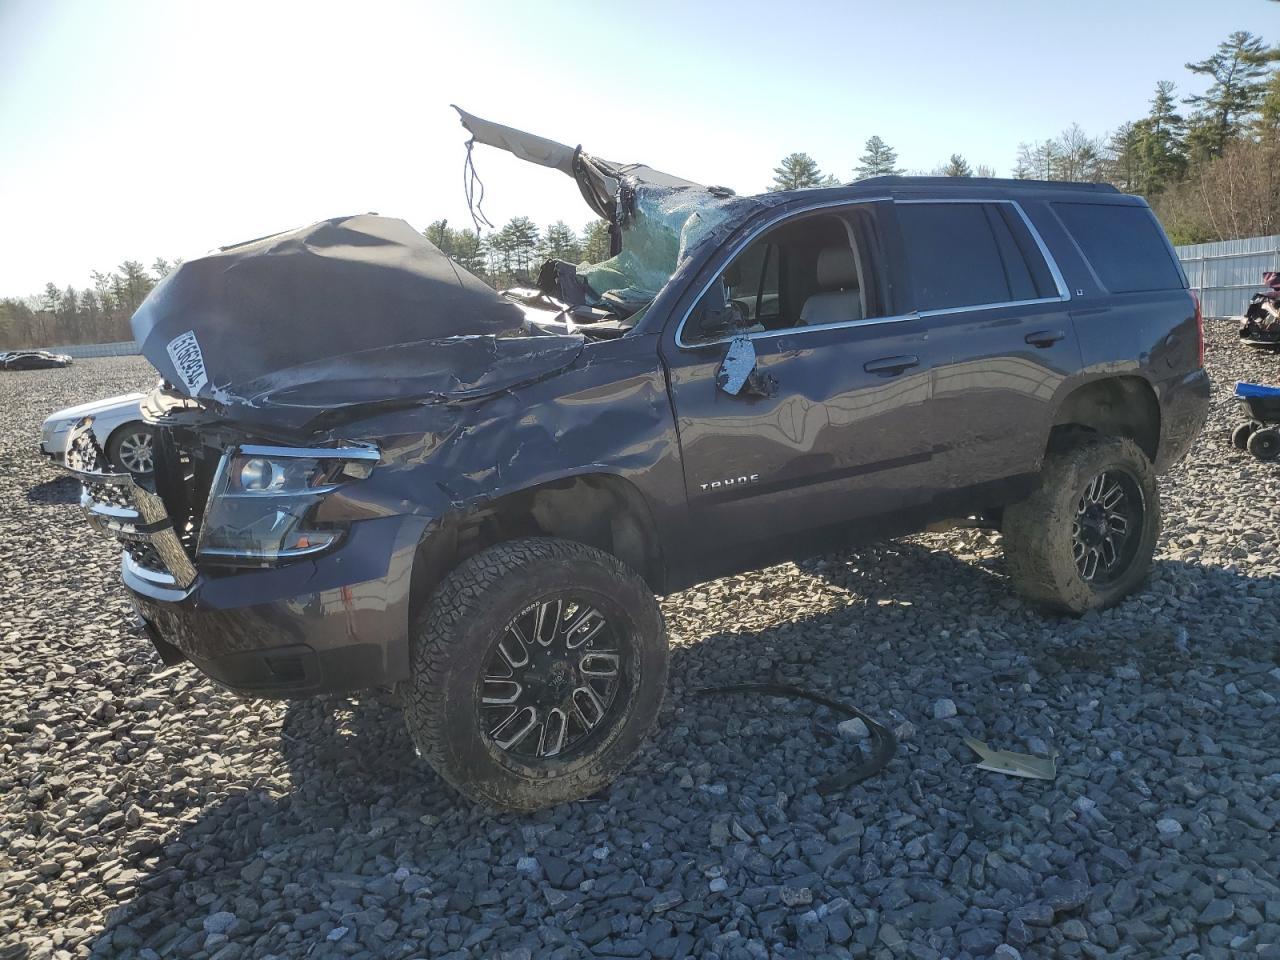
(1123, 244)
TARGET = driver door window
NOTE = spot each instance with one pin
(815, 271)
(751, 284)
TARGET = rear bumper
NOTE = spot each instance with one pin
(332, 624)
(1184, 407)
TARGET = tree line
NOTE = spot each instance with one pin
(95, 314)
(1208, 163)
(512, 255)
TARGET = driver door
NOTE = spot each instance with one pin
(828, 435)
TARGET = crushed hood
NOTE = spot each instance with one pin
(345, 312)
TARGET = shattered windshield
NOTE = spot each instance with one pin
(665, 224)
(656, 220)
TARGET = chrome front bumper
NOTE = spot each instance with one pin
(114, 504)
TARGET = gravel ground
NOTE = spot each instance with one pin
(145, 813)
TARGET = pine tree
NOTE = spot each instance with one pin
(796, 172)
(468, 251)
(1160, 153)
(1123, 161)
(440, 235)
(957, 166)
(1238, 70)
(559, 242)
(131, 285)
(595, 242)
(879, 160)
(1267, 126)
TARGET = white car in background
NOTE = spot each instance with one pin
(129, 442)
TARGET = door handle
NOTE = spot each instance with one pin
(1044, 338)
(888, 366)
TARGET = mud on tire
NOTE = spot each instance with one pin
(533, 585)
(1045, 534)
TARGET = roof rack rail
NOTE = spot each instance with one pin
(1003, 182)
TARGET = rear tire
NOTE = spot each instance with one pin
(1265, 444)
(1063, 544)
(528, 600)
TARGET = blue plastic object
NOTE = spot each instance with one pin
(1256, 390)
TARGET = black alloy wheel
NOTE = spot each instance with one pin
(537, 669)
(1110, 508)
(550, 683)
(1086, 536)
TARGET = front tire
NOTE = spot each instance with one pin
(538, 668)
(1085, 539)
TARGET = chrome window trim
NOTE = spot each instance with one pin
(990, 306)
(1063, 293)
(746, 242)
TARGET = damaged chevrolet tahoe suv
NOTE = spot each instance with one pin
(371, 470)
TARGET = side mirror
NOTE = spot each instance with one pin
(738, 375)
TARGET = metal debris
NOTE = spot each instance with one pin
(1030, 765)
(884, 741)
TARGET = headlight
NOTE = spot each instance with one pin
(262, 501)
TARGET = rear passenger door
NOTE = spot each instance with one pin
(1001, 342)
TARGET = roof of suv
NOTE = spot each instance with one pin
(961, 183)
(983, 188)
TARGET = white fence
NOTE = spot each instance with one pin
(123, 348)
(1226, 274)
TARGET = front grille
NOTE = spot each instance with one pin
(114, 504)
(145, 555)
(184, 474)
(110, 494)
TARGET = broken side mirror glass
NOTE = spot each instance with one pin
(738, 375)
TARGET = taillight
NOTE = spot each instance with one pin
(1199, 327)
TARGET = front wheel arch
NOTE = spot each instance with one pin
(598, 510)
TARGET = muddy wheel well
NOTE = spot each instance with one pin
(1117, 407)
(599, 510)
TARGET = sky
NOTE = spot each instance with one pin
(137, 129)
